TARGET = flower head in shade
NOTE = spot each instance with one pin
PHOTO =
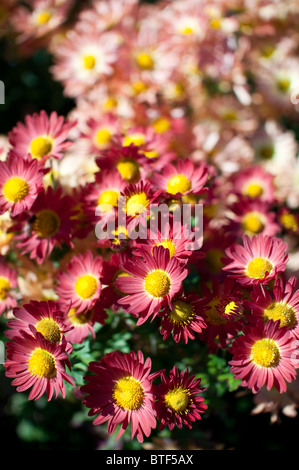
(8, 282)
(262, 356)
(34, 362)
(119, 390)
(280, 303)
(154, 280)
(83, 323)
(184, 321)
(182, 178)
(49, 223)
(224, 313)
(79, 286)
(260, 259)
(41, 135)
(21, 179)
(44, 316)
(179, 402)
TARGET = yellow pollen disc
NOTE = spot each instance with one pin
(86, 286)
(136, 139)
(289, 221)
(230, 116)
(258, 267)
(161, 125)
(168, 244)
(157, 283)
(178, 400)
(253, 190)
(215, 23)
(43, 18)
(265, 353)
(4, 287)
(187, 30)
(46, 223)
(49, 329)
(42, 363)
(107, 199)
(136, 204)
(145, 61)
(151, 154)
(212, 315)
(41, 146)
(178, 184)
(129, 170)
(128, 393)
(266, 151)
(89, 62)
(182, 313)
(283, 84)
(281, 311)
(81, 318)
(139, 87)
(15, 189)
(102, 137)
(110, 103)
(253, 223)
(230, 308)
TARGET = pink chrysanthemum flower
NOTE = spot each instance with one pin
(41, 136)
(255, 182)
(82, 60)
(120, 391)
(179, 402)
(181, 178)
(99, 132)
(83, 323)
(33, 362)
(259, 260)
(8, 282)
(262, 356)
(49, 223)
(185, 319)
(281, 303)
(154, 280)
(224, 315)
(79, 286)
(21, 179)
(251, 217)
(288, 220)
(45, 317)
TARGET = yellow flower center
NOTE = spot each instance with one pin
(266, 151)
(136, 204)
(182, 313)
(129, 170)
(102, 137)
(136, 139)
(86, 286)
(283, 84)
(41, 146)
(15, 189)
(139, 87)
(178, 184)
(157, 283)
(212, 315)
(128, 393)
(265, 353)
(169, 245)
(151, 154)
(161, 125)
(230, 308)
(46, 223)
(178, 400)
(253, 190)
(258, 267)
(253, 223)
(81, 318)
(145, 61)
(215, 23)
(281, 311)
(89, 62)
(42, 363)
(4, 287)
(49, 329)
(187, 30)
(43, 18)
(107, 199)
(289, 221)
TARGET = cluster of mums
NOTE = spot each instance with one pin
(164, 114)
